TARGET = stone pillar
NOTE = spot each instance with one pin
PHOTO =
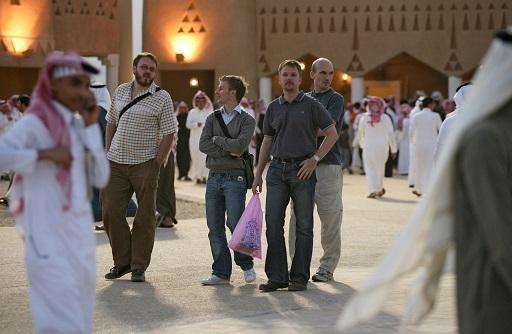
(112, 63)
(125, 47)
(266, 89)
(453, 83)
(137, 14)
(357, 89)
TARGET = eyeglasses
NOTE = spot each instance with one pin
(147, 68)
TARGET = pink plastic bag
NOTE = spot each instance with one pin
(246, 237)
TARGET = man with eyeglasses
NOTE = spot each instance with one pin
(140, 130)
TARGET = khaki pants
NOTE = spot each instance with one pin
(329, 204)
(131, 247)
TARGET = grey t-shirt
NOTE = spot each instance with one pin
(294, 126)
(333, 102)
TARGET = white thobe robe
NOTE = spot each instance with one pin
(59, 245)
(195, 117)
(403, 158)
(423, 130)
(445, 129)
(412, 165)
(376, 141)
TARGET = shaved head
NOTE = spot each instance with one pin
(322, 73)
(319, 61)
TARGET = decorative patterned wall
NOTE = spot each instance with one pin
(360, 35)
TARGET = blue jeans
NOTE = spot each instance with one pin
(225, 194)
(283, 184)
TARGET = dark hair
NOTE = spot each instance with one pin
(237, 83)
(24, 100)
(426, 101)
(357, 105)
(290, 63)
(146, 55)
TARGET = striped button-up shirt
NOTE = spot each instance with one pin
(142, 126)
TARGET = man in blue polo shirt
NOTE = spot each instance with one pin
(291, 126)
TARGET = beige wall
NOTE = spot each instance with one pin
(227, 46)
(430, 43)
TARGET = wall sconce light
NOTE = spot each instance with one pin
(345, 76)
(17, 46)
(180, 57)
(302, 65)
(194, 82)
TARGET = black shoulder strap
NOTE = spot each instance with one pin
(135, 101)
(223, 126)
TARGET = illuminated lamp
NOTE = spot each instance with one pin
(194, 82)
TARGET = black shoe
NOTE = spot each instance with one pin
(294, 286)
(138, 276)
(118, 271)
(187, 178)
(272, 286)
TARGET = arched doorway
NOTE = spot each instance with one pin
(402, 76)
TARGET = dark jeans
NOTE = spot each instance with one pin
(283, 184)
(225, 194)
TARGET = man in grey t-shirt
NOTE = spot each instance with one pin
(290, 128)
(329, 175)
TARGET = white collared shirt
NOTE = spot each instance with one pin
(229, 117)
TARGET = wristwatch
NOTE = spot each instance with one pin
(316, 158)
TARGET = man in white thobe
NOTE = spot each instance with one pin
(425, 125)
(195, 122)
(376, 137)
(58, 155)
(460, 98)
(412, 164)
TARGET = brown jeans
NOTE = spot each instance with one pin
(131, 247)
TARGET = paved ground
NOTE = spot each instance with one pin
(173, 301)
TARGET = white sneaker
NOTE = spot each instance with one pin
(249, 275)
(214, 280)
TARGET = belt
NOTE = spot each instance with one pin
(234, 173)
(291, 160)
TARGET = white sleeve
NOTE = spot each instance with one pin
(191, 122)
(92, 140)
(15, 151)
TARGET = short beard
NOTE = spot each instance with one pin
(141, 80)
